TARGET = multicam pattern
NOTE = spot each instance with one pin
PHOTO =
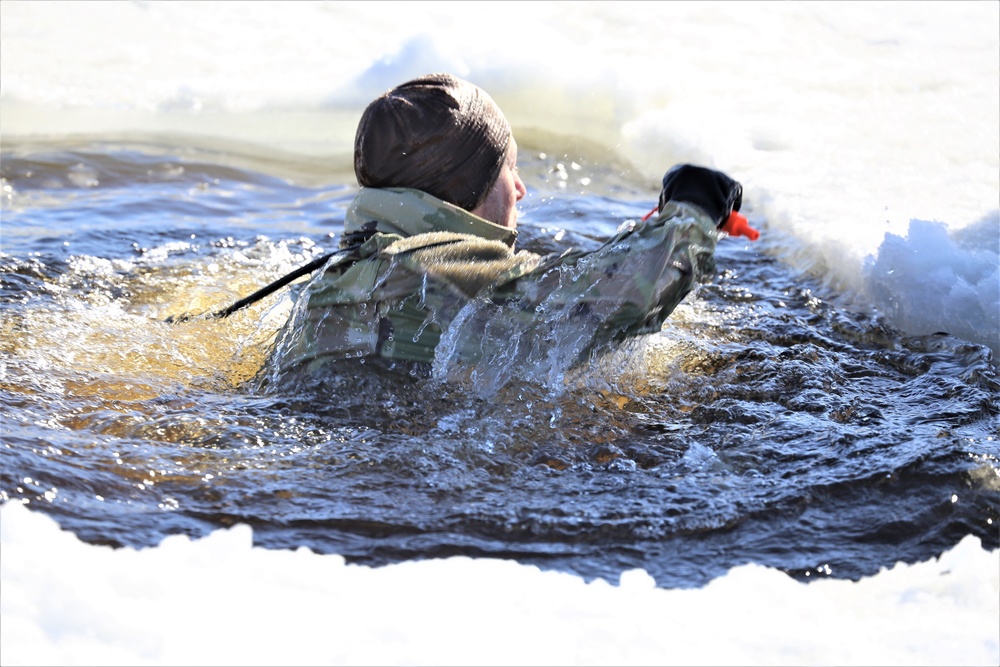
(421, 261)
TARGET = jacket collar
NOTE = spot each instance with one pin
(409, 212)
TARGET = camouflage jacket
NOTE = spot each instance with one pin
(415, 265)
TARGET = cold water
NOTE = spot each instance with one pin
(764, 424)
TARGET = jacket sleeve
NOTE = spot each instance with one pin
(629, 285)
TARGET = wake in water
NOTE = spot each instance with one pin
(763, 424)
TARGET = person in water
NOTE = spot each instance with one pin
(432, 231)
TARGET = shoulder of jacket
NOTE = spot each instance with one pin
(468, 262)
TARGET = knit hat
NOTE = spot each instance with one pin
(436, 133)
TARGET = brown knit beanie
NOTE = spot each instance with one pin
(436, 133)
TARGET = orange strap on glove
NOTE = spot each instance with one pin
(737, 225)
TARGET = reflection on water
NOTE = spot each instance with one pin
(764, 424)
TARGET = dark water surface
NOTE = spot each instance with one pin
(764, 424)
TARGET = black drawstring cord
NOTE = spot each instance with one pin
(261, 293)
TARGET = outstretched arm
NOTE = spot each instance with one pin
(632, 283)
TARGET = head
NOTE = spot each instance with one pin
(447, 137)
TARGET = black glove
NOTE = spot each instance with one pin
(712, 191)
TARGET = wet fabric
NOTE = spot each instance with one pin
(424, 261)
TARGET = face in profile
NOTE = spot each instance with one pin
(500, 205)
